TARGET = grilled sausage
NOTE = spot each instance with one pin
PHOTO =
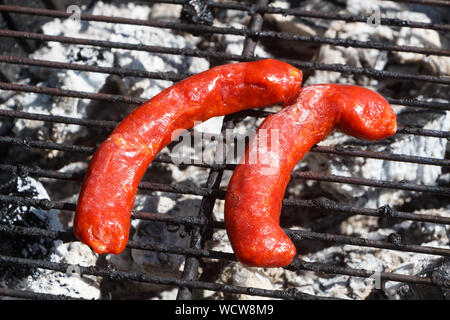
(102, 218)
(255, 192)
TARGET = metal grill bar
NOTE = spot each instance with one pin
(135, 100)
(194, 190)
(215, 174)
(251, 9)
(329, 206)
(122, 72)
(297, 265)
(234, 31)
(145, 277)
(109, 125)
(23, 294)
(393, 22)
(373, 73)
(295, 235)
(337, 149)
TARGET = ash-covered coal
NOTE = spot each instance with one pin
(16, 245)
(20, 215)
(426, 234)
(197, 12)
(63, 190)
(92, 81)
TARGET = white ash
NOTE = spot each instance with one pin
(154, 262)
(93, 82)
(234, 44)
(376, 169)
(78, 253)
(49, 216)
(380, 260)
(426, 234)
(63, 191)
(404, 144)
(160, 232)
(170, 294)
(59, 106)
(46, 281)
(238, 275)
(165, 11)
(371, 259)
(234, 273)
(301, 25)
(71, 283)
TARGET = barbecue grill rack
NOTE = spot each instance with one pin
(202, 224)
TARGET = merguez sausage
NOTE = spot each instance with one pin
(102, 218)
(256, 190)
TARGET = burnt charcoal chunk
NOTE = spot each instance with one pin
(19, 215)
(196, 11)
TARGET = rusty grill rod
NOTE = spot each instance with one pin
(109, 125)
(24, 294)
(193, 28)
(250, 8)
(136, 100)
(145, 277)
(336, 149)
(295, 235)
(122, 72)
(200, 191)
(373, 73)
(297, 265)
(382, 212)
(171, 76)
(215, 175)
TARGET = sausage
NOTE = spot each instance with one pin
(256, 189)
(103, 212)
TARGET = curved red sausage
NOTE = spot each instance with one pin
(102, 218)
(255, 192)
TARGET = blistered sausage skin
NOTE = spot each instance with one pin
(256, 190)
(102, 218)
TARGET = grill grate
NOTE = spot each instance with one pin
(203, 223)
